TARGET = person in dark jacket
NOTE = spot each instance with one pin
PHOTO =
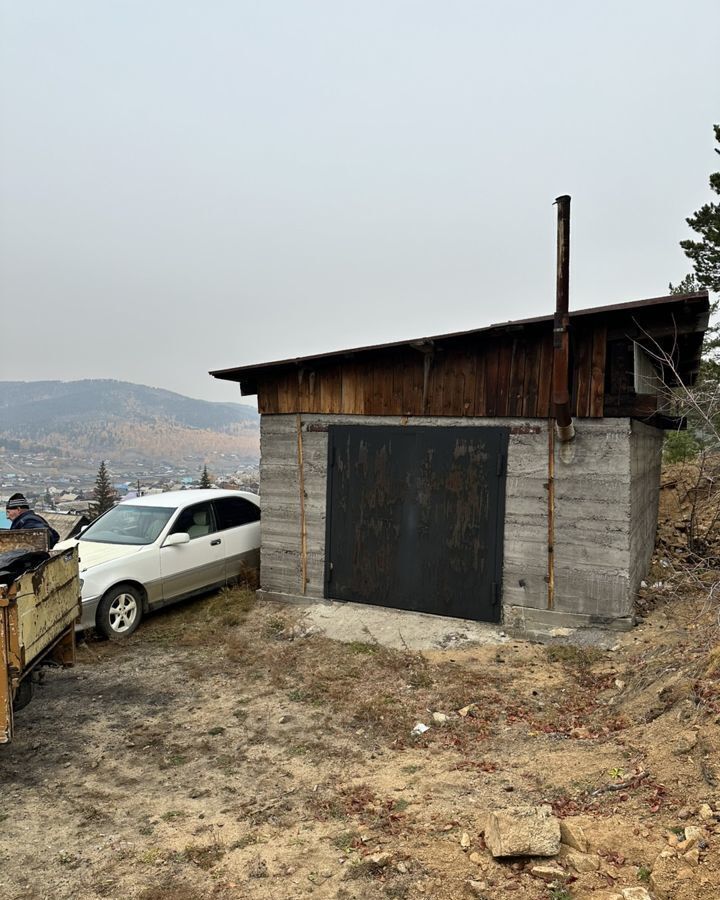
(21, 516)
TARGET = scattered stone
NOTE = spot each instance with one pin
(548, 873)
(684, 813)
(572, 835)
(635, 893)
(523, 831)
(477, 888)
(705, 812)
(439, 718)
(381, 859)
(296, 632)
(476, 858)
(663, 876)
(619, 683)
(465, 840)
(283, 720)
(402, 868)
(467, 710)
(582, 862)
(686, 741)
(692, 857)
(420, 728)
(693, 835)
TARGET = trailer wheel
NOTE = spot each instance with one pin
(119, 612)
(23, 694)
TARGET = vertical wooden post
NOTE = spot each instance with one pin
(303, 525)
(551, 515)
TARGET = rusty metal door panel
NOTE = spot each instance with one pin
(415, 516)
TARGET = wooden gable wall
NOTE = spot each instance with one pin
(508, 374)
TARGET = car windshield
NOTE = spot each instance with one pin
(128, 524)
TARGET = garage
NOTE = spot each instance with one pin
(435, 475)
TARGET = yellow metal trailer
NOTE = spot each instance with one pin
(37, 620)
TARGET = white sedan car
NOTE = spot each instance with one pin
(145, 553)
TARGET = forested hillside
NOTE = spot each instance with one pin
(107, 417)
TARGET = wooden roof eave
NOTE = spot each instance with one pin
(691, 318)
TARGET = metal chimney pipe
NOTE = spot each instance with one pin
(561, 339)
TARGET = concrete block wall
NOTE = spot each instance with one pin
(592, 566)
(645, 463)
(601, 540)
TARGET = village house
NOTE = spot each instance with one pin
(430, 474)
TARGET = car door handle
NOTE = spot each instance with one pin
(215, 543)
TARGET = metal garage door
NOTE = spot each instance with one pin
(415, 518)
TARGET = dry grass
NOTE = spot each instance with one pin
(204, 856)
(300, 748)
(170, 889)
(201, 622)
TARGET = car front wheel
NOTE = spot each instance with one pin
(120, 611)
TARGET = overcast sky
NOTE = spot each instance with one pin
(188, 186)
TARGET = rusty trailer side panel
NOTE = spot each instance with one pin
(37, 623)
(47, 602)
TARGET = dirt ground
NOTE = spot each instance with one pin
(222, 753)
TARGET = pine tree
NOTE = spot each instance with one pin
(688, 285)
(705, 253)
(104, 494)
(205, 478)
(705, 257)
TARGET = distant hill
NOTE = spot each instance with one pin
(119, 419)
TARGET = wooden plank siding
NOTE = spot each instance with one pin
(510, 375)
(501, 370)
(597, 372)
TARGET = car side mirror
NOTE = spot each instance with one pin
(180, 537)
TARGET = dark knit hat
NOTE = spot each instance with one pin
(17, 501)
